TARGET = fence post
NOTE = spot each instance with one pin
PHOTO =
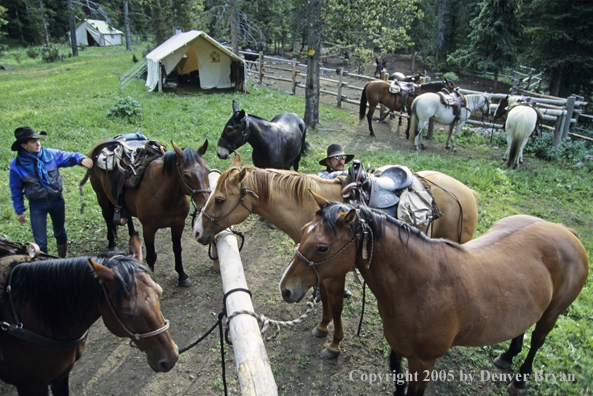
(569, 109)
(261, 66)
(558, 132)
(339, 104)
(294, 75)
(382, 106)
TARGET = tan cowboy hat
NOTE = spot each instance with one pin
(23, 134)
(333, 151)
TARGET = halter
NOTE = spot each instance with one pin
(244, 135)
(135, 336)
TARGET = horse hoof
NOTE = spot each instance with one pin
(330, 354)
(514, 390)
(271, 226)
(372, 134)
(501, 363)
(184, 283)
(317, 332)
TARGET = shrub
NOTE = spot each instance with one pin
(50, 55)
(126, 108)
(451, 76)
(32, 53)
(570, 151)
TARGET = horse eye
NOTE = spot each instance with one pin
(322, 249)
(219, 200)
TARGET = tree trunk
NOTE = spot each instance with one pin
(555, 83)
(495, 79)
(33, 25)
(126, 27)
(234, 38)
(172, 18)
(19, 25)
(73, 39)
(413, 61)
(46, 37)
(313, 57)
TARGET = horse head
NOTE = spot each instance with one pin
(234, 134)
(193, 172)
(380, 67)
(501, 108)
(327, 249)
(226, 205)
(131, 309)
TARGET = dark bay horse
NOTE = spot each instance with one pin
(377, 92)
(161, 199)
(273, 191)
(434, 294)
(55, 304)
(278, 144)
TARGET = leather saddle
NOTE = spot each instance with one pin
(379, 192)
(124, 159)
(454, 99)
(404, 89)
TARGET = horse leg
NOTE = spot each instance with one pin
(420, 371)
(447, 146)
(542, 328)
(395, 363)
(176, 233)
(34, 388)
(149, 243)
(60, 386)
(370, 118)
(335, 291)
(522, 147)
(505, 360)
(321, 330)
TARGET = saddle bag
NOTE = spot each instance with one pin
(415, 206)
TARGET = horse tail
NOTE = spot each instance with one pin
(363, 103)
(514, 152)
(80, 192)
(305, 145)
(413, 123)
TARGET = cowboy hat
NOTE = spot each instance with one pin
(334, 150)
(23, 135)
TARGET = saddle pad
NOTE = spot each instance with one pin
(394, 87)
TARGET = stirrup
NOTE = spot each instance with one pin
(118, 219)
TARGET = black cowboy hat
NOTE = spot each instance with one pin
(23, 134)
(335, 150)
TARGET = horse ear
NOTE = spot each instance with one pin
(238, 177)
(203, 148)
(178, 151)
(236, 161)
(322, 202)
(350, 216)
(235, 107)
(377, 60)
(241, 114)
(102, 273)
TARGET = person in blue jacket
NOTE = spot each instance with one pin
(335, 162)
(34, 174)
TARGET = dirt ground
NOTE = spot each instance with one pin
(110, 366)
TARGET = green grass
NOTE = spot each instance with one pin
(69, 100)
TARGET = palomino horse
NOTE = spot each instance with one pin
(521, 122)
(160, 201)
(267, 192)
(428, 107)
(278, 144)
(377, 92)
(434, 294)
(50, 306)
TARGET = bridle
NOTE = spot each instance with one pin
(244, 135)
(135, 336)
(188, 187)
(17, 330)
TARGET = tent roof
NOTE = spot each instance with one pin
(181, 39)
(102, 26)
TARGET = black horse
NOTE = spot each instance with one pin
(380, 67)
(278, 144)
(251, 56)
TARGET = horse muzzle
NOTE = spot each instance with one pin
(222, 152)
(293, 295)
(163, 363)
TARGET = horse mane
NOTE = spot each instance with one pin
(60, 290)
(190, 155)
(377, 221)
(267, 181)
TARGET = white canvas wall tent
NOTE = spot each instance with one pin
(92, 32)
(194, 53)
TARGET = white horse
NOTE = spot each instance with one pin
(428, 107)
(520, 123)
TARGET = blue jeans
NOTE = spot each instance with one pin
(38, 212)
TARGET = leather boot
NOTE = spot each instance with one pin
(63, 250)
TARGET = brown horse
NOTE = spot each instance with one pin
(55, 304)
(434, 294)
(377, 92)
(269, 192)
(160, 201)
